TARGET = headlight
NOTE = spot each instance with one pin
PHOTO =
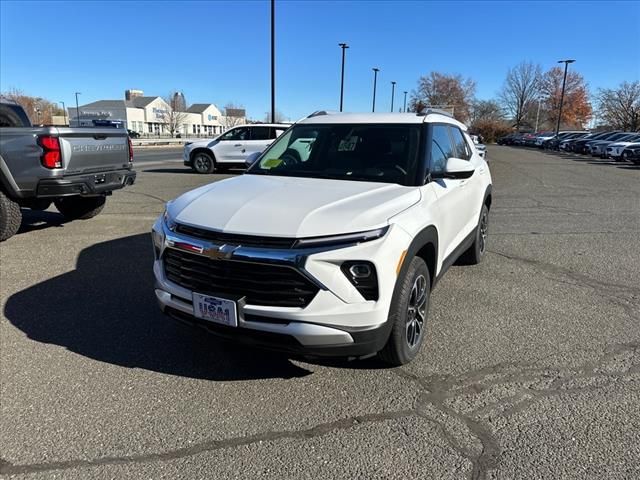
(345, 239)
(168, 221)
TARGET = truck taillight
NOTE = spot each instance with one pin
(51, 156)
(130, 150)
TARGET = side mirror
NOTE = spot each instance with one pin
(251, 159)
(459, 168)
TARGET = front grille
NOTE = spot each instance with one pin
(233, 239)
(272, 285)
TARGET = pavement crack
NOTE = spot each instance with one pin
(207, 446)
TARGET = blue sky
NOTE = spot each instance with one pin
(218, 51)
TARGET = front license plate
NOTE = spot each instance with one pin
(215, 309)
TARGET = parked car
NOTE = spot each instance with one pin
(598, 148)
(583, 145)
(568, 145)
(480, 147)
(133, 134)
(614, 150)
(74, 168)
(541, 137)
(507, 139)
(631, 153)
(553, 142)
(331, 242)
(232, 148)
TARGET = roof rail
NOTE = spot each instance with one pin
(318, 113)
(427, 111)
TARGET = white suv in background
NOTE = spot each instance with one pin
(231, 148)
(332, 240)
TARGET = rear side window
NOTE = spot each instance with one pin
(461, 146)
(260, 133)
(441, 148)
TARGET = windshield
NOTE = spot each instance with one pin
(361, 152)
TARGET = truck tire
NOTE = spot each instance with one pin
(80, 208)
(10, 217)
(203, 162)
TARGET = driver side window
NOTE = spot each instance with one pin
(441, 149)
(241, 133)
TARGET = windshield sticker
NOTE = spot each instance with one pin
(271, 163)
(348, 144)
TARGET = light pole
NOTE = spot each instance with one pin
(564, 81)
(77, 109)
(538, 115)
(64, 112)
(393, 94)
(344, 47)
(273, 61)
(375, 78)
(405, 102)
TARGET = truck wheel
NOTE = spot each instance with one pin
(81, 208)
(474, 254)
(408, 313)
(10, 217)
(203, 163)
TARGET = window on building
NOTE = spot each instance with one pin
(151, 128)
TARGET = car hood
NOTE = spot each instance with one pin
(202, 143)
(291, 207)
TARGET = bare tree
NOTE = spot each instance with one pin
(279, 117)
(486, 110)
(38, 109)
(440, 90)
(174, 117)
(234, 115)
(620, 107)
(520, 89)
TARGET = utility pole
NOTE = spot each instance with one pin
(273, 61)
(393, 94)
(405, 102)
(375, 78)
(564, 81)
(538, 116)
(77, 109)
(344, 47)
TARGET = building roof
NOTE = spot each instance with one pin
(141, 102)
(105, 104)
(198, 107)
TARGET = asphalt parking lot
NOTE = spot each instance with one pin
(531, 367)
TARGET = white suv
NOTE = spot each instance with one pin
(232, 148)
(332, 240)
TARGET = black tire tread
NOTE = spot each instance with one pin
(10, 217)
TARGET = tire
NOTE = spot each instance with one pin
(476, 251)
(408, 324)
(80, 208)
(203, 162)
(10, 217)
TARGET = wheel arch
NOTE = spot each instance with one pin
(425, 246)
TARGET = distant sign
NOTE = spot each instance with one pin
(235, 112)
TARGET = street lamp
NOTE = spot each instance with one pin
(64, 112)
(393, 94)
(405, 102)
(375, 78)
(77, 109)
(343, 46)
(564, 81)
(273, 61)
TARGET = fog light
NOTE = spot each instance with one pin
(360, 270)
(362, 275)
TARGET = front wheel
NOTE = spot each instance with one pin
(203, 163)
(408, 314)
(80, 208)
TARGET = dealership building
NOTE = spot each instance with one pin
(149, 115)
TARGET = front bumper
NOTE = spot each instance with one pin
(337, 322)
(94, 184)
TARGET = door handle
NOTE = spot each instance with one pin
(238, 145)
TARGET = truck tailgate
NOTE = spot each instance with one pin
(89, 150)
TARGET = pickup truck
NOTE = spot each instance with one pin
(74, 168)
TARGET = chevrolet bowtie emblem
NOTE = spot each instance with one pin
(222, 252)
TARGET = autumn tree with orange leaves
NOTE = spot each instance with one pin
(576, 108)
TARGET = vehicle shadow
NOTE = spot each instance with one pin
(106, 310)
(38, 220)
